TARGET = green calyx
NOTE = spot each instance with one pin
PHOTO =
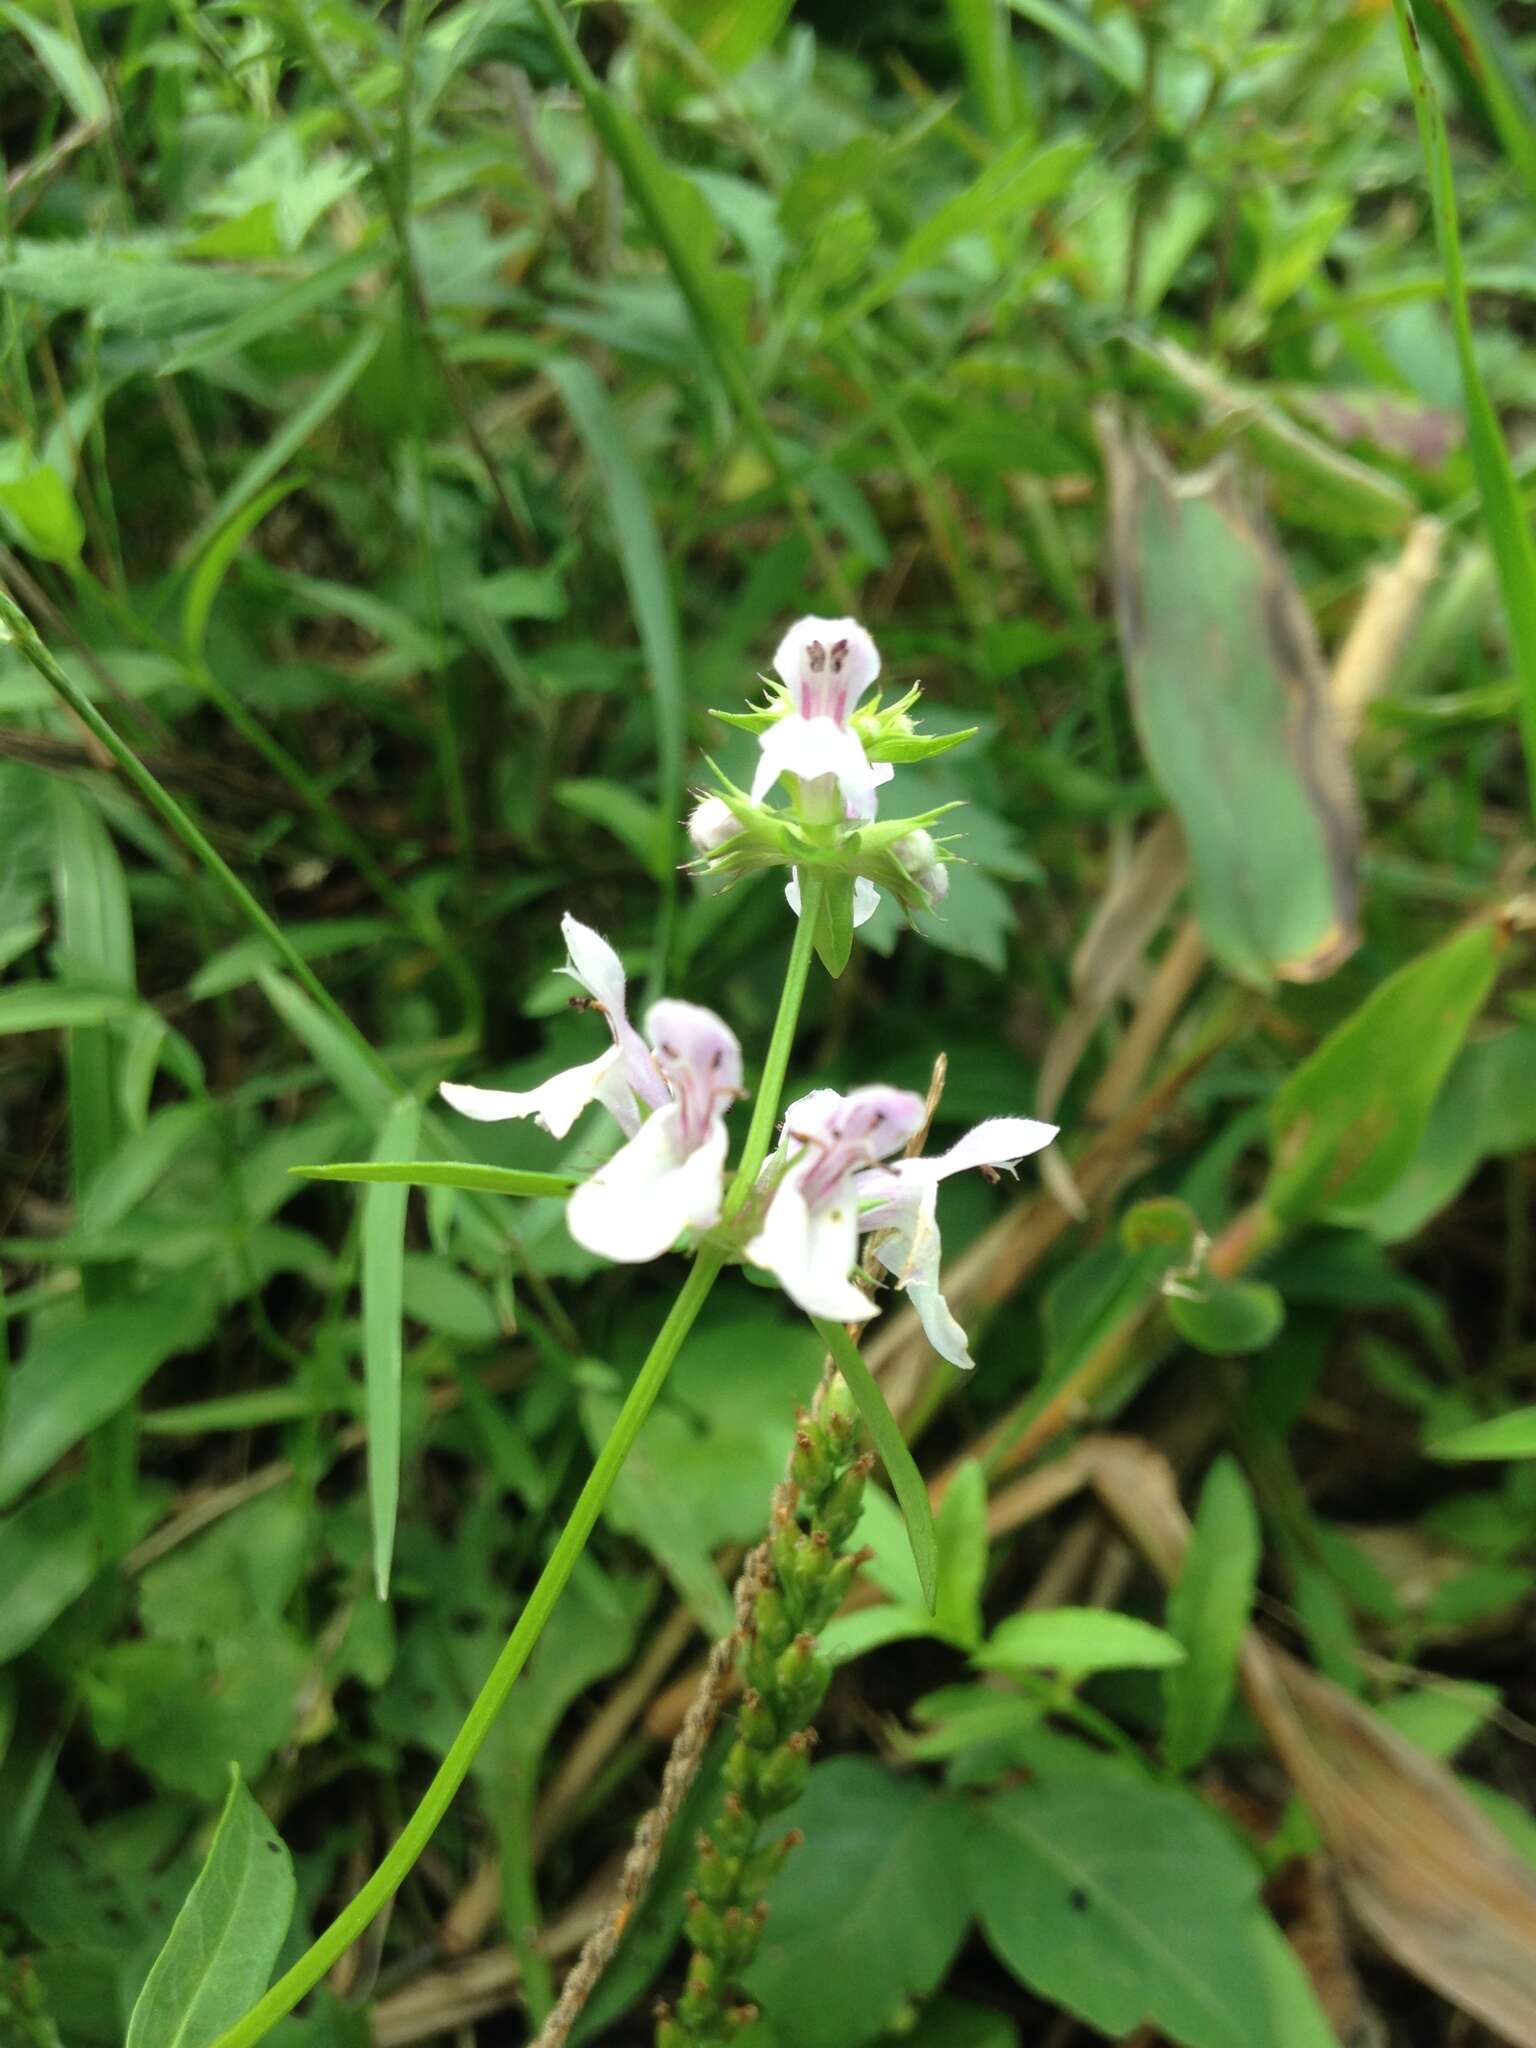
(886, 732)
(771, 838)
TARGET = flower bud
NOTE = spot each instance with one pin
(711, 823)
(919, 855)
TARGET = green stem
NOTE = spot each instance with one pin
(419, 1829)
(776, 1062)
(706, 1269)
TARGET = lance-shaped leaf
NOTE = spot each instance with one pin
(220, 1951)
(1230, 697)
(1348, 1121)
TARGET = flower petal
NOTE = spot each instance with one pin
(639, 1204)
(809, 747)
(827, 665)
(1002, 1141)
(811, 1252)
(555, 1103)
(912, 1253)
(593, 962)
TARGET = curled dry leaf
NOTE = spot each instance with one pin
(1423, 1869)
(1231, 700)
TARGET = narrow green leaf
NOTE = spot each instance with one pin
(343, 1060)
(49, 1005)
(1020, 178)
(1509, 525)
(1208, 1612)
(66, 64)
(984, 32)
(449, 1173)
(222, 1944)
(283, 307)
(384, 1207)
(1349, 1120)
(834, 924)
(649, 583)
(901, 1467)
(279, 451)
(1079, 1639)
(1503, 1436)
(213, 564)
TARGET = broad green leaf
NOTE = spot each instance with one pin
(1078, 1639)
(220, 1951)
(41, 512)
(1231, 702)
(83, 1371)
(900, 1466)
(1503, 1436)
(644, 828)
(443, 1173)
(128, 286)
(1208, 1613)
(1487, 1109)
(1349, 1120)
(49, 1553)
(1504, 511)
(384, 1206)
(1226, 1318)
(871, 1910)
(1128, 1904)
(712, 1449)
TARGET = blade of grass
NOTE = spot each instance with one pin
(384, 1208)
(654, 188)
(1509, 530)
(287, 441)
(95, 930)
(650, 595)
(451, 1173)
(900, 1465)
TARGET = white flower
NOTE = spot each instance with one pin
(900, 1202)
(826, 665)
(624, 1079)
(711, 824)
(866, 897)
(919, 855)
(810, 1233)
(668, 1178)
